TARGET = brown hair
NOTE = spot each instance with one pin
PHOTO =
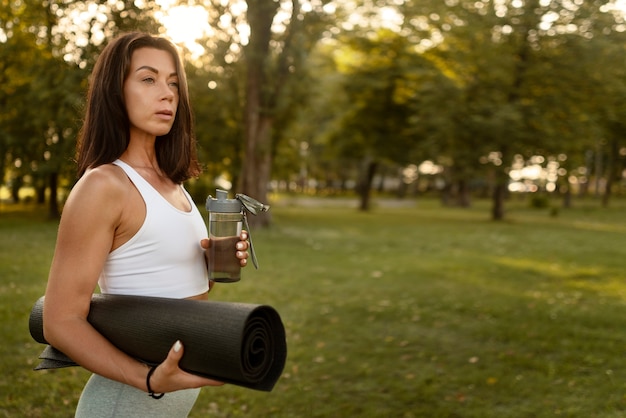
(105, 133)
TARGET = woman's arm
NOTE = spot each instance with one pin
(99, 212)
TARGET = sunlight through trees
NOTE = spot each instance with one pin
(478, 88)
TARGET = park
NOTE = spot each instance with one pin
(418, 311)
(447, 183)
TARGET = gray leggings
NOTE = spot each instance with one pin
(105, 398)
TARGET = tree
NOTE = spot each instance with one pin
(272, 60)
(260, 100)
(47, 54)
(37, 98)
(508, 61)
(379, 87)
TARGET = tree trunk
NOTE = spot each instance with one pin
(528, 21)
(567, 198)
(365, 185)
(500, 191)
(16, 185)
(497, 212)
(611, 172)
(255, 173)
(463, 194)
(40, 192)
(53, 202)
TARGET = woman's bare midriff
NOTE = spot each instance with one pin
(202, 296)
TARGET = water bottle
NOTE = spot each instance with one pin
(227, 218)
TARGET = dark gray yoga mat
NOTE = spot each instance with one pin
(238, 343)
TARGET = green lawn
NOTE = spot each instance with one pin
(417, 311)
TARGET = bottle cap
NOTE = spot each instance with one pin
(222, 203)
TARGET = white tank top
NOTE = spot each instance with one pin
(164, 258)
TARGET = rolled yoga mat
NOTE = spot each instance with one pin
(237, 343)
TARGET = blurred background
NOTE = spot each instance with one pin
(386, 135)
(457, 98)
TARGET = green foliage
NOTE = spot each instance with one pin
(45, 65)
(477, 78)
(377, 83)
(412, 311)
(452, 82)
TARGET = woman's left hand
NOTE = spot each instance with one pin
(241, 248)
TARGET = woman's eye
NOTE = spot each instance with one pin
(174, 84)
(148, 80)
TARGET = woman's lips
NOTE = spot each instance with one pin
(165, 114)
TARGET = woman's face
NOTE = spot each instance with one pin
(151, 92)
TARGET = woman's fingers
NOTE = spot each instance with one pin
(241, 247)
(169, 377)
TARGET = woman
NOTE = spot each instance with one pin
(130, 227)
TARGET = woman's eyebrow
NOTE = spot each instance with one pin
(154, 70)
(147, 67)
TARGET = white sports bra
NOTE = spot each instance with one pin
(164, 258)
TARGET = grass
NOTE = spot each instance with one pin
(401, 312)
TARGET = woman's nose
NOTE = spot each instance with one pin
(167, 92)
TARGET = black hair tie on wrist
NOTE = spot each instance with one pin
(150, 391)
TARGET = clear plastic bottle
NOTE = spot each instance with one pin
(225, 224)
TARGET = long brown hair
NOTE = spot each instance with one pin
(105, 133)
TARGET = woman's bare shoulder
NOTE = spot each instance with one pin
(106, 178)
(104, 185)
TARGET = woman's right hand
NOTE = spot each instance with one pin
(169, 377)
